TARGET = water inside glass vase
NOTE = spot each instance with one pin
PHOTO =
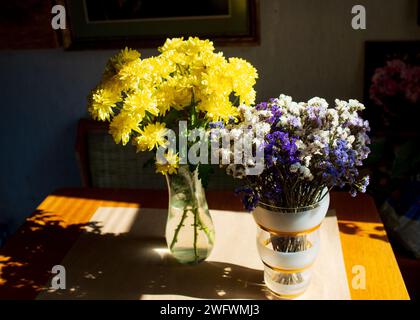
(189, 228)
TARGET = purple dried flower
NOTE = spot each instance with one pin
(216, 125)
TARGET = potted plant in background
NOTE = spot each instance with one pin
(145, 99)
(309, 149)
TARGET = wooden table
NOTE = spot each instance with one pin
(49, 233)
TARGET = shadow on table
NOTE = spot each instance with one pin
(27, 258)
(372, 231)
(122, 267)
(109, 266)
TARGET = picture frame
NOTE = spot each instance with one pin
(147, 23)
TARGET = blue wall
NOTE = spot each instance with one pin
(42, 97)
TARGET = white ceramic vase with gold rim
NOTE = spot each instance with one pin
(288, 243)
(291, 220)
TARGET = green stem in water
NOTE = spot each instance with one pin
(195, 211)
(178, 228)
(206, 230)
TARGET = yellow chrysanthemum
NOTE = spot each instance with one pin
(122, 126)
(183, 96)
(122, 58)
(139, 102)
(190, 46)
(170, 166)
(195, 46)
(186, 53)
(102, 101)
(165, 96)
(175, 93)
(152, 136)
(244, 76)
(156, 69)
(146, 73)
(217, 81)
(171, 44)
(130, 75)
(218, 108)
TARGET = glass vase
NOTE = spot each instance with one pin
(189, 228)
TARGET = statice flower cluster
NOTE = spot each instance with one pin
(243, 140)
(309, 149)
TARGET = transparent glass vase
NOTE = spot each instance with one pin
(189, 228)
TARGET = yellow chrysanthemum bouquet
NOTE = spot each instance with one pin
(143, 98)
(187, 81)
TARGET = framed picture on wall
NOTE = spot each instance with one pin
(147, 23)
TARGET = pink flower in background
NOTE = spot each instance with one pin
(396, 80)
(412, 80)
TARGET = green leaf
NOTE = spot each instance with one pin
(193, 116)
(171, 117)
